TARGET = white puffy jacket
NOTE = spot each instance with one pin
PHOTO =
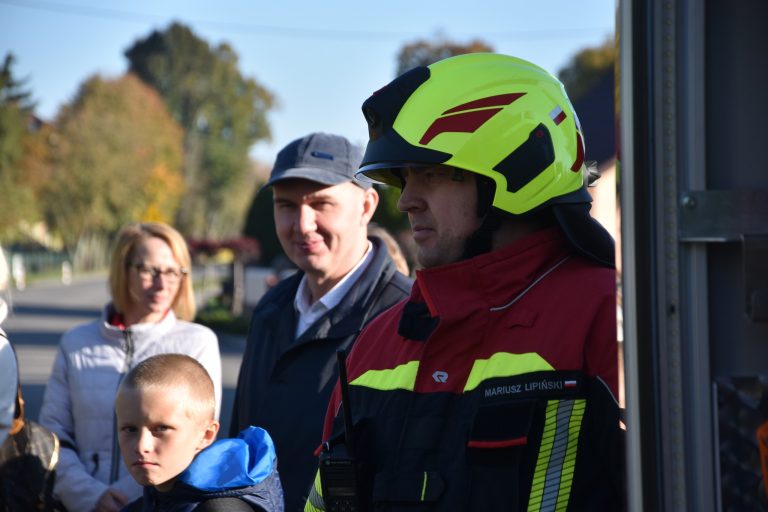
(79, 399)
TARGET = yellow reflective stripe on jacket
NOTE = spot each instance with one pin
(556, 462)
(315, 499)
(400, 377)
(505, 364)
(569, 463)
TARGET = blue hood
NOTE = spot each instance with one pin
(243, 461)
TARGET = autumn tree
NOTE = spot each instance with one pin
(222, 112)
(117, 159)
(18, 202)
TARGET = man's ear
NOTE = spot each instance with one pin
(209, 435)
(370, 202)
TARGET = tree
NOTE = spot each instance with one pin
(423, 52)
(18, 202)
(260, 224)
(387, 214)
(117, 160)
(587, 68)
(590, 81)
(222, 112)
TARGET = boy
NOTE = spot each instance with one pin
(165, 411)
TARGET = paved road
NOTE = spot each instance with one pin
(43, 311)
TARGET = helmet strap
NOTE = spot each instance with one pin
(481, 241)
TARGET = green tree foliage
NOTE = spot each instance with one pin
(18, 202)
(387, 214)
(424, 52)
(587, 67)
(222, 112)
(260, 224)
(117, 159)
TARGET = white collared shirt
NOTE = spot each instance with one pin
(310, 313)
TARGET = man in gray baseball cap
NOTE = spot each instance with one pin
(344, 280)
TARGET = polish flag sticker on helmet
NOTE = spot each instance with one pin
(557, 115)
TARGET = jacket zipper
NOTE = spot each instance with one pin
(114, 472)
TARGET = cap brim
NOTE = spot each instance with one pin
(315, 174)
(587, 235)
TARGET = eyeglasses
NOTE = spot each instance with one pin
(171, 275)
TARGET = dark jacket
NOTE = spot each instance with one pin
(230, 475)
(285, 384)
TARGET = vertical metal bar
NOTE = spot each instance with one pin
(667, 128)
(697, 408)
(643, 477)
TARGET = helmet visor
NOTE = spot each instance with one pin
(389, 173)
(384, 173)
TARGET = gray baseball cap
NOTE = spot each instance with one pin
(320, 157)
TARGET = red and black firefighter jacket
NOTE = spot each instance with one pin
(491, 388)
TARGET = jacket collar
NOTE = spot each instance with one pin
(139, 332)
(490, 279)
(349, 316)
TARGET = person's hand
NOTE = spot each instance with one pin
(111, 501)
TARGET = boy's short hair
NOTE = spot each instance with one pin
(174, 370)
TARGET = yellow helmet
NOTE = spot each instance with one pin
(494, 115)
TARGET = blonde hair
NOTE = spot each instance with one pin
(176, 371)
(123, 253)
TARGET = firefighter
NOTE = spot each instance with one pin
(492, 387)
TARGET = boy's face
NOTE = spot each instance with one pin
(158, 434)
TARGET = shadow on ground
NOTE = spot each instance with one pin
(40, 310)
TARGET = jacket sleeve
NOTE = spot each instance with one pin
(76, 488)
(241, 388)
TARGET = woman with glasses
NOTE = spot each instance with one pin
(150, 313)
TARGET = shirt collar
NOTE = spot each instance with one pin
(334, 296)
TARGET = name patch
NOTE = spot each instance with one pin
(540, 385)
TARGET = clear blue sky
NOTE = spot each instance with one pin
(321, 59)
